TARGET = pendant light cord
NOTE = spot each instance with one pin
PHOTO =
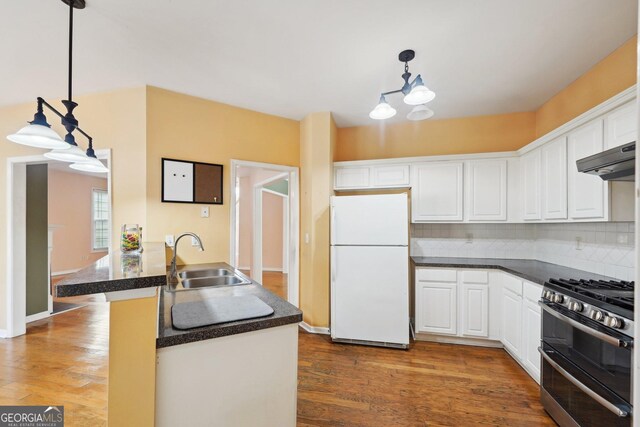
(70, 47)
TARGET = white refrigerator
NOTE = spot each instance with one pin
(370, 269)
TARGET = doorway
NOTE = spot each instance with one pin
(264, 225)
(22, 174)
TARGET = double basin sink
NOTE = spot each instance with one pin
(207, 278)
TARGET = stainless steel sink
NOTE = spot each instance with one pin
(205, 282)
(207, 278)
(207, 272)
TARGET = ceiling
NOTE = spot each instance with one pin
(292, 57)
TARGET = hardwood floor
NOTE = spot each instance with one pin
(275, 281)
(63, 360)
(429, 385)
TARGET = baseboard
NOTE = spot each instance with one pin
(477, 342)
(314, 329)
(279, 270)
(64, 272)
(4, 333)
(37, 316)
(244, 268)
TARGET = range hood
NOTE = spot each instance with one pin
(616, 164)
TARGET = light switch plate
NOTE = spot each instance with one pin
(204, 212)
(169, 240)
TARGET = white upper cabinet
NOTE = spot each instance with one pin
(437, 191)
(621, 126)
(587, 193)
(391, 176)
(554, 179)
(531, 169)
(352, 177)
(487, 190)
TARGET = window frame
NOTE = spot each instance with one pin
(94, 191)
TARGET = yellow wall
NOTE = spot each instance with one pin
(317, 141)
(610, 76)
(503, 132)
(116, 120)
(189, 128)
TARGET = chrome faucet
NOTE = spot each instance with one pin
(173, 273)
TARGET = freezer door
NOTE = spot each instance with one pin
(370, 293)
(370, 220)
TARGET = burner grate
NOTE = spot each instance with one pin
(617, 293)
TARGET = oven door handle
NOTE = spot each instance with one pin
(592, 394)
(584, 328)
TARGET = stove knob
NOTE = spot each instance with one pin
(576, 306)
(557, 298)
(596, 315)
(547, 294)
(613, 322)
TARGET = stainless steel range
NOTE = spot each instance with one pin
(587, 349)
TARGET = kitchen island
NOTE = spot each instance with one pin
(235, 373)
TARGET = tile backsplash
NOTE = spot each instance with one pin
(604, 247)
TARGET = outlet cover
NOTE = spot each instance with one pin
(194, 241)
(204, 212)
(578, 243)
(169, 240)
(623, 238)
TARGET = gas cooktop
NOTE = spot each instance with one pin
(611, 295)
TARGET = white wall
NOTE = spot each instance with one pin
(603, 250)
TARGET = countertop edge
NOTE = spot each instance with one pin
(422, 262)
(205, 333)
(99, 287)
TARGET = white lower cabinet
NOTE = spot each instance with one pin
(448, 298)
(436, 301)
(511, 322)
(464, 306)
(531, 329)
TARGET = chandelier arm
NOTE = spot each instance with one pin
(65, 122)
(391, 92)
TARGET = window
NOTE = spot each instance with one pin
(100, 212)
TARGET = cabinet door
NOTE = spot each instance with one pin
(352, 177)
(531, 184)
(487, 190)
(437, 191)
(621, 126)
(512, 322)
(436, 308)
(531, 335)
(475, 310)
(587, 193)
(554, 179)
(391, 176)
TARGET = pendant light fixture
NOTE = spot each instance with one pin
(39, 133)
(415, 93)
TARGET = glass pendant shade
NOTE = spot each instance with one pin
(69, 154)
(382, 111)
(419, 95)
(420, 112)
(91, 165)
(39, 136)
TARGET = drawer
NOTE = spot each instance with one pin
(475, 276)
(512, 283)
(436, 275)
(532, 291)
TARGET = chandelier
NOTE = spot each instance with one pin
(415, 94)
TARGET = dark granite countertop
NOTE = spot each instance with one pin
(283, 312)
(531, 270)
(118, 272)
